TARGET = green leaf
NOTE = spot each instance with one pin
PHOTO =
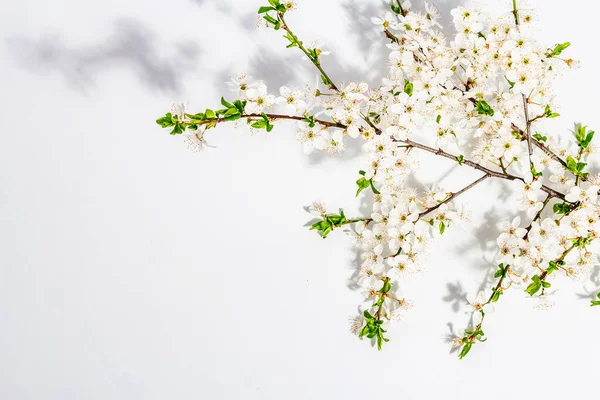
(511, 84)
(534, 286)
(362, 184)
(483, 108)
(575, 166)
(274, 3)
(240, 105)
(165, 121)
(562, 208)
(442, 228)
(225, 103)
(559, 48)
(438, 118)
(265, 9)
(465, 350)
(460, 159)
(232, 114)
(595, 303)
(270, 19)
(408, 87)
(261, 124)
(496, 295)
(539, 137)
(501, 272)
(386, 286)
(177, 129)
(549, 114)
(231, 111)
(210, 114)
(373, 187)
(583, 137)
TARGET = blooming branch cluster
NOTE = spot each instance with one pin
(479, 99)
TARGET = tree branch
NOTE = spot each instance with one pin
(454, 195)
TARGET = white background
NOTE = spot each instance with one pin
(131, 268)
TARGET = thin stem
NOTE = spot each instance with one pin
(537, 216)
(314, 61)
(544, 274)
(454, 195)
(279, 116)
(515, 12)
(528, 127)
(401, 9)
(479, 167)
(502, 166)
(578, 177)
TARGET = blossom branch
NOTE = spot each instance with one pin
(453, 195)
(313, 54)
(479, 167)
(274, 117)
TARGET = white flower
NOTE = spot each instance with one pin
(386, 22)
(194, 140)
(309, 136)
(531, 190)
(317, 209)
(240, 84)
(480, 303)
(331, 143)
(512, 230)
(507, 147)
(590, 195)
(293, 100)
(178, 110)
(258, 99)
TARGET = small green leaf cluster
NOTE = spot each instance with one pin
(595, 302)
(275, 5)
(497, 291)
(170, 120)
(329, 222)
(373, 324)
(583, 136)
(553, 266)
(460, 159)
(408, 89)
(310, 120)
(582, 242)
(539, 137)
(562, 208)
(576, 167)
(536, 284)
(263, 123)
(483, 108)
(549, 114)
(373, 329)
(558, 49)
(471, 337)
(208, 118)
(535, 173)
(364, 183)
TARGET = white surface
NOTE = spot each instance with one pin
(131, 268)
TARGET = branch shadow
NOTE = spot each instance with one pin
(131, 45)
